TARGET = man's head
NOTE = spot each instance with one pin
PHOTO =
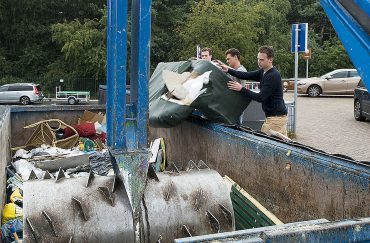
(265, 57)
(207, 54)
(233, 57)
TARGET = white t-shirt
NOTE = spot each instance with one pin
(240, 68)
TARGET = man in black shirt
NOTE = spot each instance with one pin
(271, 90)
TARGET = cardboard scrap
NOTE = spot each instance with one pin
(92, 117)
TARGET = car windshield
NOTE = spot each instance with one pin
(326, 75)
(361, 84)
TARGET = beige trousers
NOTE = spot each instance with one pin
(276, 123)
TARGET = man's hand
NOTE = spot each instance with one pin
(222, 65)
(233, 85)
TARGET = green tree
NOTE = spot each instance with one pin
(83, 47)
(220, 25)
(330, 56)
(166, 15)
(25, 31)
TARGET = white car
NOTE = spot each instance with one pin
(25, 93)
(340, 81)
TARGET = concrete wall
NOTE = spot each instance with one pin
(22, 116)
(4, 151)
(294, 183)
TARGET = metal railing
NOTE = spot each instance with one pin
(291, 119)
(252, 85)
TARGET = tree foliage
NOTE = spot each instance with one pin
(220, 26)
(83, 46)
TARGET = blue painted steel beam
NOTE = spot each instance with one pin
(116, 72)
(128, 131)
(354, 38)
(127, 121)
(110, 69)
(364, 5)
(140, 61)
(121, 66)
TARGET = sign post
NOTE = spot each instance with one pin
(307, 56)
(298, 44)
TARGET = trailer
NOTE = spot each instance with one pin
(72, 97)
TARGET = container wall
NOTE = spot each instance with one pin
(292, 182)
(4, 151)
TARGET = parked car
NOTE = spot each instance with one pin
(288, 84)
(25, 93)
(361, 102)
(340, 81)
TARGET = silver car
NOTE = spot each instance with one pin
(340, 81)
(24, 93)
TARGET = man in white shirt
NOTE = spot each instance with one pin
(233, 59)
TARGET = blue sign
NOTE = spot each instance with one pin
(302, 37)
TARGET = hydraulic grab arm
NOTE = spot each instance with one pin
(351, 21)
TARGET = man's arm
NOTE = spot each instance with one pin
(265, 91)
(253, 75)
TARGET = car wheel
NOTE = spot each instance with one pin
(25, 100)
(314, 90)
(72, 101)
(357, 111)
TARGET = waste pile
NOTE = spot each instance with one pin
(53, 149)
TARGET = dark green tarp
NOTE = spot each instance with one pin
(218, 103)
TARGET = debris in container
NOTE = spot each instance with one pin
(76, 163)
(14, 180)
(88, 145)
(11, 229)
(12, 215)
(158, 149)
(91, 117)
(22, 153)
(24, 168)
(79, 171)
(14, 233)
(45, 133)
(90, 125)
(11, 211)
(100, 163)
(17, 197)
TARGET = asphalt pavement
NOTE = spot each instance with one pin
(327, 123)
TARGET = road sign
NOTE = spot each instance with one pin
(302, 37)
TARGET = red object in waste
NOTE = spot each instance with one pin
(85, 130)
